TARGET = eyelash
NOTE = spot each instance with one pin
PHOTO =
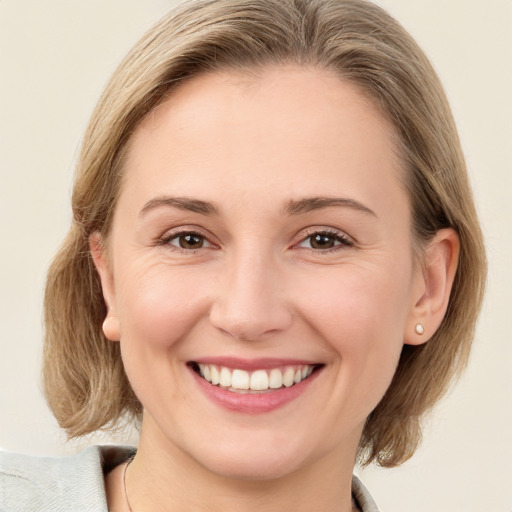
(168, 237)
(342, 239)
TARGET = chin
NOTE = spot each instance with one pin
(248, 467)
(262, 455)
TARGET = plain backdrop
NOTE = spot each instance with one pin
(56, 56)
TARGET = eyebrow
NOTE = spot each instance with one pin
(292, 207)
(182, 203)
(316, 203)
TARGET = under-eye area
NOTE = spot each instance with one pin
(257, 381)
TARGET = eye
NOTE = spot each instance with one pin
(325, 240)
(188, 240)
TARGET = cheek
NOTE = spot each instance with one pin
(360, 315)
(360, 300)
(159, 305)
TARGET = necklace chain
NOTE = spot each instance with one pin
(355, 506)
(124, 484)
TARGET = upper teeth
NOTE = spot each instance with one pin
(258, 380)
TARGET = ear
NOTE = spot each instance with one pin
(433, 285)
(111, 326)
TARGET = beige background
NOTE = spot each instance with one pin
(55, 57)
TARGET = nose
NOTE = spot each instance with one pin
(250, 301)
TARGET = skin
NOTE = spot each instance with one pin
(258, 286)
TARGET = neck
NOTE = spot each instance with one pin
(169, 479)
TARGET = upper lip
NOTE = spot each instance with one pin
(254, 364)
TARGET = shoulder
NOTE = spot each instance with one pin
(56, 484)
(362, 496)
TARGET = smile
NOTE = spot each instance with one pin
(253, 386)
(257, 381)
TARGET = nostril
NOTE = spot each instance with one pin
(248, 332)
(249, 313)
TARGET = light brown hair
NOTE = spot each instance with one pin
(84, 380)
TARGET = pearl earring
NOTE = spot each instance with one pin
(107, 320)
(111, 328)
(419, 329)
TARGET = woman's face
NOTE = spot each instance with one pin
(262, 235)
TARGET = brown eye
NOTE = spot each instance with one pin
(190, 241)
(322, 241)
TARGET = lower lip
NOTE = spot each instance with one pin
(257, 403)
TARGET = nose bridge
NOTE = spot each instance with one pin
(250, 301)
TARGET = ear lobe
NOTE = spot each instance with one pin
(111, 326)
(436, 274)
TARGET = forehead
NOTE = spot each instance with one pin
(271, 129)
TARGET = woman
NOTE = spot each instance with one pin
(274, 263)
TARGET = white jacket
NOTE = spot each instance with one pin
(76, 483)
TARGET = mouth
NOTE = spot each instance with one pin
(255, 381)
